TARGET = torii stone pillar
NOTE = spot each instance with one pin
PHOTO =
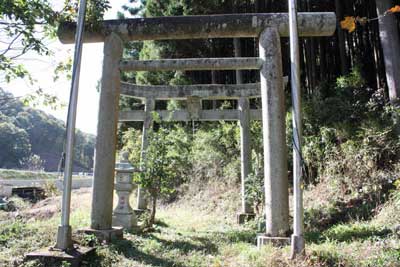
(245, 152)
(274, 138)
(147, 124)
(103, 182)
(247, 211)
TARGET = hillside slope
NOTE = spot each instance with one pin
(25, 131)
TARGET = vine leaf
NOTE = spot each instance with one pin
(395, 9)
(349, 23)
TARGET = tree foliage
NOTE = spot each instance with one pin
(18, 24)
(25, 26)
(32, 163)
(26, 132)
(165, 159)
(14, 143)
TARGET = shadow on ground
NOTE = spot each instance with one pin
(129, 249)
(206, 245)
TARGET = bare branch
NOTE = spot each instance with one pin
(11, 43)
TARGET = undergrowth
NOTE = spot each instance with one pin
(184, 236)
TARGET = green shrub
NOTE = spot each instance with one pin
(350, 139)
(11, 232)
(349, 233)
(215, 150)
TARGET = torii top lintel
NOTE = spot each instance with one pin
(204, 26)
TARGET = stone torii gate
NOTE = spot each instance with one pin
(267, 27)
(194, 94)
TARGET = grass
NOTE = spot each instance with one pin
(187, 236)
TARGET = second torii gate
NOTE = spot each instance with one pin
(194, 94)
(267, 27)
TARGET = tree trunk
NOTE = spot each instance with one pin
(213, 74)
(344, 68)
(153, 210)
(322, 56)
(390, 41)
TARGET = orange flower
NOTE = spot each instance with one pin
(349, 23)
(394, 9)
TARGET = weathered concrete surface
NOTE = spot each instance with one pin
(390, 42)
(54, 257)
(208, 26)
(245, 140)
(274, 135)
(147, 125)
(103, 183)
(194, 107)
(204, 91)
(263, 240)
(184, 115)
(64, 240)
(245, 63)
(106, 235)
(245, 150)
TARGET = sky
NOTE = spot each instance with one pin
(42, 67)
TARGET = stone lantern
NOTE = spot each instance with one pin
(123, 214)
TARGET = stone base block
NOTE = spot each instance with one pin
(54, 257)
(263, 240)
(244, 217)
(64, 238)
(127, 221)
(104, 235)
(298, 244)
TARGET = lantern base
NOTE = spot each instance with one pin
(106, 235)
(126, 220)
